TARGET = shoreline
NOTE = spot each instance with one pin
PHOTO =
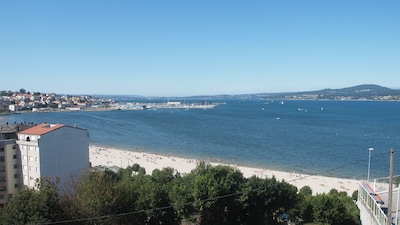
(110, 156)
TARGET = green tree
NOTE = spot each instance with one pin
(354, 196)
(328, 210)
(304, 207)
(93, 197)
(127, 195)
(335, 208)
(181, 196)
(161, 184)
(32, 206)
(214, 191)
(265, 199)
(305, 191)
(136, 167)
(147, 194)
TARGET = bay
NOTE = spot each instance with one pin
(329, 138)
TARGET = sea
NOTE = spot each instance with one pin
(328, 138)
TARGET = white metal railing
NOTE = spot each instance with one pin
(382, 184)
(364, 195)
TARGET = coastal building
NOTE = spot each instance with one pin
(10, 169)
(373, 202)
(53, 150)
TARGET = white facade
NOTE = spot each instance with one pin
(373, 200)
(53, 150)
(11, 107)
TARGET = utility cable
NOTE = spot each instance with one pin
(212, 198)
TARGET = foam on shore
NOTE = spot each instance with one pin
(101, 156)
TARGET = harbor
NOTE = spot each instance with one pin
(163, 105)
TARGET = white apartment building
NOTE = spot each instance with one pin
(53, 150)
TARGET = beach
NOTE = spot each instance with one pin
(111, 157)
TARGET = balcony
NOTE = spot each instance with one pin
(373, 199)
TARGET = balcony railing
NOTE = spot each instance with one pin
(370, 200)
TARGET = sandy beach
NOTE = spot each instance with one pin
(101, 156)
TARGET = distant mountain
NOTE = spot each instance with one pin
(360, 92)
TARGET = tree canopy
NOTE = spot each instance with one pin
(207, 195)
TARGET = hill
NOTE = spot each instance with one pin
(360, 92)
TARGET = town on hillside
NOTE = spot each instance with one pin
(22, 100)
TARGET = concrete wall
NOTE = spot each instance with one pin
(64, 153)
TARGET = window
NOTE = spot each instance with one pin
(30, 158)
(36, 159)
(25, 168)
(31, 148)
(2, 158)
(23, 147)
(37, 169)
(25, 177)
(2, 149)
(15, 185)
(15, 166)
(15, 175)
(1, 196)
(31, 168)
(24, 157)
(3, 188)
(2, 168)
(3, 179)
(13, 147)
(14, 156)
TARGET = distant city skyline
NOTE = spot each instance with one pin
(187, 48)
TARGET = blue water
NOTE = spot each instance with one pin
(318, 137)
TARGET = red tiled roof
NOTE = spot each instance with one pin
(42, 129)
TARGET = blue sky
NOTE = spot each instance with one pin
(183, 48)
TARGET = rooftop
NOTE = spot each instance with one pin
(42, 129)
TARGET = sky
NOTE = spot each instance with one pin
(188, 47)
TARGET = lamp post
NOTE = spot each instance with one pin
(369, 160)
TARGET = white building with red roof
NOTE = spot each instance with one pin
(53, 150)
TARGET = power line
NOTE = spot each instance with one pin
(212, 198)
